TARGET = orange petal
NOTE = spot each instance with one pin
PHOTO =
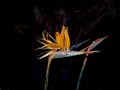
(67, 38)
(59, 39)
(62, 38)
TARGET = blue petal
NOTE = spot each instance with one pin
(77, 45)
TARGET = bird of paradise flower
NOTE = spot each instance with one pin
(60, 48)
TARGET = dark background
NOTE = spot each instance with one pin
(21, 71)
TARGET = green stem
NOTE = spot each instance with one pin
(81, 73)
(82, 69)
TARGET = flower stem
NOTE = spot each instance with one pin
(47, 74)
(82, 69)
(47, 70)
(81, 73)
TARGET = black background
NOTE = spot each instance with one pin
(20, 71)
